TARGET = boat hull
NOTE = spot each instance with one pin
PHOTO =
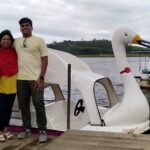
(130, 129)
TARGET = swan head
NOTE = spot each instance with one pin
(127, 36)
(121, 38)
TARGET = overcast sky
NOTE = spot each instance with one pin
(59, 20)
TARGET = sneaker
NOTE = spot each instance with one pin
(24, 134)
(42, 136)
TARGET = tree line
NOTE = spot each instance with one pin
(95, 47)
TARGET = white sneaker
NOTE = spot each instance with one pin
(24, 134)
(42, 136)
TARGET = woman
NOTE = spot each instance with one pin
(8, 71)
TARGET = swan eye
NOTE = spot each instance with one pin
(126, 34)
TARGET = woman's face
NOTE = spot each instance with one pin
(5, 41)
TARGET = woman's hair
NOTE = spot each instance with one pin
(6, 32)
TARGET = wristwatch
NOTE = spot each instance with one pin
(41, 77)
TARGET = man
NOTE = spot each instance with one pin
(32, 61)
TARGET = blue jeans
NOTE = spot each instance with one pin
(25, 90)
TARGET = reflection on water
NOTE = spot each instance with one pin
(106, 66)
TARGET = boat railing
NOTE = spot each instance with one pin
(68, 96)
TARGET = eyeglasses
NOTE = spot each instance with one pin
(24, 43)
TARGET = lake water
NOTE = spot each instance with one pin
(107, 67)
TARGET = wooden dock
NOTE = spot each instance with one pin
(82, 140)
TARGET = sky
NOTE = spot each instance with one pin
(59, 20)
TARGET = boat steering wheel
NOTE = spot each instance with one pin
(79, 107)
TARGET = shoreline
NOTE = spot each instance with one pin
(112, 55)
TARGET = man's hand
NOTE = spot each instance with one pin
(39, 84)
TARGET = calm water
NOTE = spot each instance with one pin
(107, 67)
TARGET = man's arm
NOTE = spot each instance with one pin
(43, 66)
(39, 83)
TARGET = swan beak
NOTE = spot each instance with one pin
(144, 43)
(137, 40)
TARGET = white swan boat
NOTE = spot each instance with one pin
(131, 115)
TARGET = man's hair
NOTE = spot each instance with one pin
(25, 20)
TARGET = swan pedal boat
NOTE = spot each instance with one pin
(130, 115)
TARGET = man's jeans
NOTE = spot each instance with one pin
(25, 90)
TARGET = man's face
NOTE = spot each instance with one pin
(26, 29)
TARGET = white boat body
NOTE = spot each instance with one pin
(131, 115)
